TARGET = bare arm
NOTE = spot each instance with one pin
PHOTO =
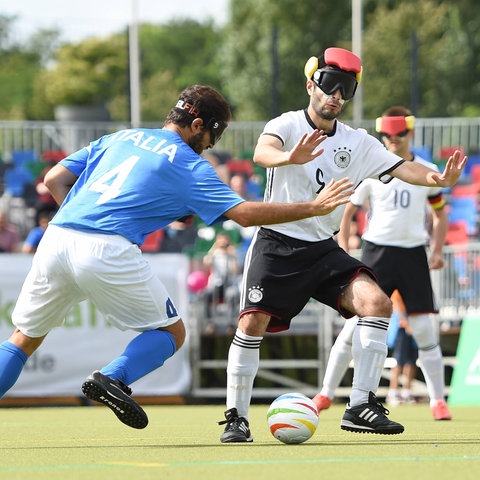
(418, 174)
(59, 181)
(268, 151)
(260, 213)
(344, 234)
(437, 238)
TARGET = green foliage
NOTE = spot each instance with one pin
(239, 60)
(88, 73)
(16, 75)
(388, 48)
(19, 66)
(95, 71)
(159, 95)
(304, 29)
(184, 48)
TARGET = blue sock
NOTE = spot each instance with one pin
(145, 353)
(12, 361)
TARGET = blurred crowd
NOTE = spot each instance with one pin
(26, 205)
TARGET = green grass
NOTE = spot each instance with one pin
(182, 442)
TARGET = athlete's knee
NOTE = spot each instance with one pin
(25, 343)
(365, 298)
(423, 331)
(178, 332)
(375, 304)
(253, 323)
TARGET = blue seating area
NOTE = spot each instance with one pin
(21, 172)
(464, 208)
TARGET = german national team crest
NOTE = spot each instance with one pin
(255, 294)
(342, 157)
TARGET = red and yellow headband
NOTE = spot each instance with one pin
(336, 57)
(394, 125)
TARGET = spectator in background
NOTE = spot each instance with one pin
(223, 280)
(36, 233)
(239, 184)
(354, 239)
(405, 352)
(10, 240)
(44, 197)
(220, 168)
(179, 235)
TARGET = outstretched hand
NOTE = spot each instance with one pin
(336, 193)
(452, 172)
(305, 150)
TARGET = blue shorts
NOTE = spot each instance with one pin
(405, 350)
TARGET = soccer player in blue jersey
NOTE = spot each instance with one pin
(112, 194)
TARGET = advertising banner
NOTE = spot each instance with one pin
(465, 387)
(87, 342)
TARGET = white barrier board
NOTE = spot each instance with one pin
(86, 342)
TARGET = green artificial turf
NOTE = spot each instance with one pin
(182, 442)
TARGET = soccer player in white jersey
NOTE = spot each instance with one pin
(394, 247)
(287, 264)
(112, 194)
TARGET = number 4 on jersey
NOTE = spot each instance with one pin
(110, 184)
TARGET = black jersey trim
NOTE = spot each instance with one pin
(386, 173)
(310, 122)
(276, 136)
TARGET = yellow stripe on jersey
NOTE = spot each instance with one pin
(437, 202)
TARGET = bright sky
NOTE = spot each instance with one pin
(78, 19)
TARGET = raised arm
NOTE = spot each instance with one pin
(418, 174)
(437, 238)
(268, 151)
(260, 213)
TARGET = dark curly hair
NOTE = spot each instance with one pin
(199, 101)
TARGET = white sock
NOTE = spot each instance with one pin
(369, 349)
(431, 363)
(429, 356)
(242, 367)
(339, 359)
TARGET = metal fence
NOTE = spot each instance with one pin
(239, 140)
(457, 291)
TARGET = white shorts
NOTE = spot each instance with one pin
(71, 266)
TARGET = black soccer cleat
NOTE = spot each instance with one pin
(369, 417)
(237, 428)
(116, 396)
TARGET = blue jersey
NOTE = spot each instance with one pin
(136, 181)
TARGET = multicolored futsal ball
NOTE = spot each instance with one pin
(292, 418)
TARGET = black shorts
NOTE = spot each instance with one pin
(283, 273)
(404, 269)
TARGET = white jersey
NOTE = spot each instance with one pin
(397, 210)
(348, 152)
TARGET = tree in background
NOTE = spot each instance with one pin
(389, 50)
(19, 66)
(248, 70)
(174, 56)
(95, 71)
(257, 60)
